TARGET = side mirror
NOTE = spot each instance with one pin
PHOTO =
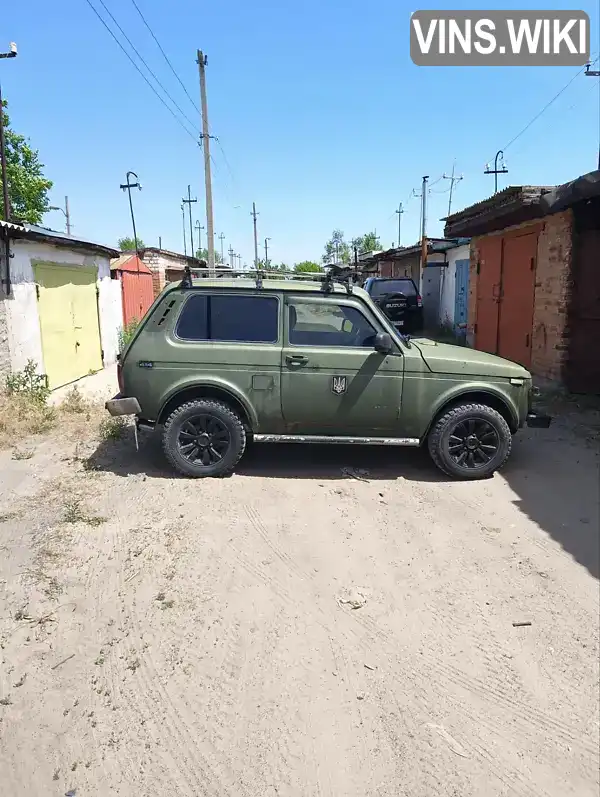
(383, 343)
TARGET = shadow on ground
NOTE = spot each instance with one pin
(554, 473)
(283, 461)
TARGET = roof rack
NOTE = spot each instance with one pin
(341, 275)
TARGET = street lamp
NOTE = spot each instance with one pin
(65, 212)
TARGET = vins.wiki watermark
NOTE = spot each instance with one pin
(500, 38)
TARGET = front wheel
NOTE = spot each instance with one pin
(204, 438)
(470, 441)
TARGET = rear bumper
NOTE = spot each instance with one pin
(538, 420)
(120, 405)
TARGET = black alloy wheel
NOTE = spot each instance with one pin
(203, 440)
(204, 437)
(473, 443)
(470, 441)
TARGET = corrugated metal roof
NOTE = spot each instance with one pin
(130, 263)
(36, 233)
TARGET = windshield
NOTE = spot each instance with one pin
(383, 287)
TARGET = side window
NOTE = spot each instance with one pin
(245, 319)
(193, 320)
(329, 324)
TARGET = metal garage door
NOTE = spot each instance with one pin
(68, 313)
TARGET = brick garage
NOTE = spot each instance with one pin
(527, 244)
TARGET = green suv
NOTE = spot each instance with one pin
(217, 363)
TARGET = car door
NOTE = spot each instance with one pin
(332, 379)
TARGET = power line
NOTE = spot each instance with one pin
(169, 109)
(137, 52)
(546, 106)
(137, 8)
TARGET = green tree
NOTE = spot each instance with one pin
(336, 249)
(202, 254)
(307, 266)
(128, 244)
(367, 243)
(27, 186)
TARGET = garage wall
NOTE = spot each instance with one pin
(448, 284)
(4, 349)
(25, 340)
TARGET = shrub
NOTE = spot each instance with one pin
(126, 334)
(28, 384)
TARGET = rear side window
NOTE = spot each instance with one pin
(242, 319)
(384, 287)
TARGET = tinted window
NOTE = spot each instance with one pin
(383, 287)
(192, 324)
(329, 324)
(246, 319)
(251, 319)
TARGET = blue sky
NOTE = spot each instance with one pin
(324, 121)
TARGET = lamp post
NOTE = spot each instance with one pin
(496, 171)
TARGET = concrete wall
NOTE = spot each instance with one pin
(24, 336)
(448, 283)
(4, 349)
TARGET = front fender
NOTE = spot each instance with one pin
(213, 383)
(458, 392)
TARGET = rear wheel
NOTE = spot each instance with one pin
(204, 438)
(470, 441)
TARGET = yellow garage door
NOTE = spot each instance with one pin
(68, 312)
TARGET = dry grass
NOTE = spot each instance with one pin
(21, 417)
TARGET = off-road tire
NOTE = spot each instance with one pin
(446, 424)
(226, 416)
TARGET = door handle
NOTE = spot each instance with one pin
(296, 359)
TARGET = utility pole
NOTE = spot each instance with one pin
(65, 211)
(6, 201)
(267, 252)
(205, 138)
(183, 221)
(254, 214)
(423, 230)
(189, 202)
(127, 187)
(239, 260)
(453, 180)
(199, 227)
(231, 253)
(594, 73)
(400, 211)
(222, 238)
(496, 171)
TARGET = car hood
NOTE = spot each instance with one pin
(445, 358)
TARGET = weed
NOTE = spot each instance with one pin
(126, 334)
(167, 604)
(28, 383)
(74, 402)
(56, 774)
(21, 614)
(100, 660)
(160, 596)
(75, 513)
(133, 665)
(21, 680)
(6, 516)
(5, 701)
(112, 428)
(20, 455)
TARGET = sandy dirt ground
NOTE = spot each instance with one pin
(301, 628)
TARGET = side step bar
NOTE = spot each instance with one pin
(318, 438)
